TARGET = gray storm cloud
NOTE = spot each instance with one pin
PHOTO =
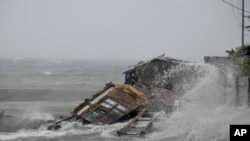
(116, 29)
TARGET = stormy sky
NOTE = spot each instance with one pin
(119, 29)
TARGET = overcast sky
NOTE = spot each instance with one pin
(118, 29)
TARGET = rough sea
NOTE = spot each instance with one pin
(34, 92)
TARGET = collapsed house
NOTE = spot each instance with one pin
(149, 86)
(146, 86)
(115, 103)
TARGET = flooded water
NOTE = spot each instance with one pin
(36, 92)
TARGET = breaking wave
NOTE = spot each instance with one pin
(203, 113)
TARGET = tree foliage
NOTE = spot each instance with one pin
(241, 59)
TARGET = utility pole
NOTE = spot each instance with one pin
(243, 23)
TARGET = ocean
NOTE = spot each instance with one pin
(36, 91)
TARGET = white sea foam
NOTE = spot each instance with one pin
(47, 73)
(36, 112)
(68, 129)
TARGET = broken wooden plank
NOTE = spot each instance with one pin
(125, 128)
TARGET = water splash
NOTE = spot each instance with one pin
(203, 113)
(68, 129)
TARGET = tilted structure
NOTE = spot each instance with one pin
(115, 102)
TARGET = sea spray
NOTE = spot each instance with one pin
(202, 113)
